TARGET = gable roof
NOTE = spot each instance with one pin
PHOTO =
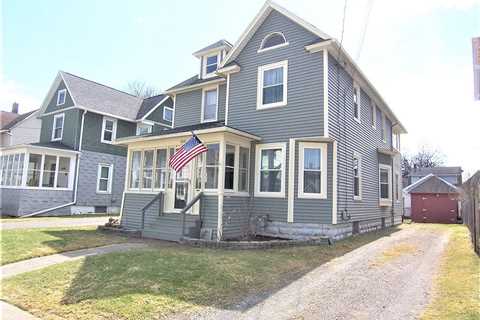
(18, 119)
(268, 7)
(431, 184)
(440, 171)
(148, 104)
(220, 44)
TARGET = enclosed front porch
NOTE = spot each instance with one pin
(166, 204)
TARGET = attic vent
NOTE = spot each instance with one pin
(273, 40)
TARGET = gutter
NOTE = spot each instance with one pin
(77, 171)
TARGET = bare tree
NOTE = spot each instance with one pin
(141, 89)
(424, 158)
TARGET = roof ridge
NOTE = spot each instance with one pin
(101, 84)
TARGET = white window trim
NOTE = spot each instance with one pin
(206, 75)
(140, 125)
(358, 156)
(384, 128)
(261, 70)
(55, 117)
(204, 90)
(64, 91)
(110, 178)
(398, 185)
(385, 201)
(114, 129)
(359, 101)
(262, 49)
(258, 152)
(374, 115)
(163, 116)
(323, 169)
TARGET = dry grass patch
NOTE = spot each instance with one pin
(394, 253)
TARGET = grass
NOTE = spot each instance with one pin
(153, 283)
(21, 244)
(394, 253)
(8, 219)
(457, 285)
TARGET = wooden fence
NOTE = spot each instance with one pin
(471, 208)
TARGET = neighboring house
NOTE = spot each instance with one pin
(432, 199)
(23, 129)
(75, 167)
(6, 117)
(450, 174)
(299, 143)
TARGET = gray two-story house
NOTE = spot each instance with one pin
(299, 142)
(75, 167)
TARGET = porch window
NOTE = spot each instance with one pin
(49, 169)
(104, 182)
(34, 170)
(210, 105)
(270, 164)
(357, 178)
(385, 184)
(312, 180)
(135, 170)
(161, 169)
(12, 169)
(243, 170)
(147, 178)
(229, 167)
(212, 164)
(63, 172)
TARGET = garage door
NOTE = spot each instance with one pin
(434, 208)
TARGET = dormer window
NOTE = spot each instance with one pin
(210, 64)
(272, 41)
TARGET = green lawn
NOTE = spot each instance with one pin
(21, 244)
(457, 285)
(152, 283)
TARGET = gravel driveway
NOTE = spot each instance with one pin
(390, 278)
(53, 222)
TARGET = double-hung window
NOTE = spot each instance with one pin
(270, 170)
(161, 169)
(272, 85)
(168, 114)
(210, 64)
(109, 130)
(147, 177)
(384, 128)
(356, 102)
(136, 159)
(244, 158)
(385, 184)
(57, 130)
(357, 176)
(104, 178)
(374, 116)
(212, 164)
(210, 104)
(61, 97)
(312, 180)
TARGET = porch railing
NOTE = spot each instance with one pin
(187, 207)
(158, 197)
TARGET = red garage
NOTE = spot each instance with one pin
(434, 200)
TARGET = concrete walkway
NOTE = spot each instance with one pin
(53, 222)
(15, 268)
(9, 312)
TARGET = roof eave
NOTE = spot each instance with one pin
(193, 87)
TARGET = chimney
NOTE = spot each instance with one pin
(15, 107)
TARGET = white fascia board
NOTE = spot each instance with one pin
(226, 70)
(154, 108)
(194, 87)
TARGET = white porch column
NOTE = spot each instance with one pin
(291, 180)
(221, 184)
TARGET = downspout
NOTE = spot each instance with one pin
(77, 170)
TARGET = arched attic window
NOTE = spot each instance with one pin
(273, 40)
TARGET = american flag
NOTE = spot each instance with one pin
(186, 153)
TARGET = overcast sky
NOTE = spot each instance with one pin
(417, 53)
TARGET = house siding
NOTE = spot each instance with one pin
(52, 105)
(188, 106)
(88, 175)
(19, 202)
(28, 131)
(71, 128)
(92, 133)
(157, 115)
(236, 216)
(363, 139)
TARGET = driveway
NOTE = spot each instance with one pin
(390, 278)
(53, 222)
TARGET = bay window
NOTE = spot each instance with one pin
(243, 169)
(270, 177)
(385, 184)
(272, 85)
(312, 179)
(212, 165)
(229, 167)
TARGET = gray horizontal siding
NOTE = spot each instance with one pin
(157, 114)
(71, 128)
(188, 107)
(303, 115)
(236, 215)
(19, 202)
(361, 138)
(52, 105)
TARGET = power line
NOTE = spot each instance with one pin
(365, 26)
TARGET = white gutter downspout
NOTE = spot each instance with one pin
(77, 170)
